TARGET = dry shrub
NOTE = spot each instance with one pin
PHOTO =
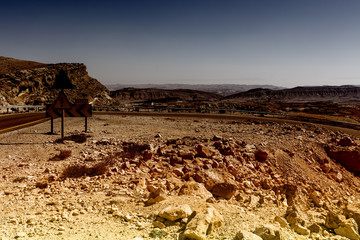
(19, 179)
(64, 154)
(78, 138)
(44, 182)
(78, 170)
(98, 169)
(132, 149)
(75, 171)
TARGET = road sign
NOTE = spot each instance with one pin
(51, 112)
(62, 102)
(83, 100)
(62, 81)
(63, 108)
(77, 110)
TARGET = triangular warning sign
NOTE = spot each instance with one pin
(62, 102)
(62, 81)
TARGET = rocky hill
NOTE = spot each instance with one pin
(9, 65)
(301, 94)
(28, 83)
(162, 95)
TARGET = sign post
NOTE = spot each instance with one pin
(62, 81)
(52, 125)
(62, 106)
(62, 103)
(62, 123)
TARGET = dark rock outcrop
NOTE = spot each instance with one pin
(349, 157)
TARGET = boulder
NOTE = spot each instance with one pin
(253, 201)
(195, 189)
(186, 154)
(269, 232)
(174, 159)
(301, 230)
(203, 151)
(315, 228)
(281, 221)
(156, 199)
(346, 141)
(211, 177)
(178, 172)
(156, 195)
(336, 176)
(333, 220)
(228, 151)
(203, 224)
(352, 210)
(245, 235)
(293, 216)
(261, 155)
(315, 196)
(326, 167)
(349, 157)
(348, 229)
(174, 213)
(225, 190)
(217, 138)
(291, 192)
(147, 155)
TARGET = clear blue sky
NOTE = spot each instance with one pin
(281, 42)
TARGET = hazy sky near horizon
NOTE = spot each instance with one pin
(280, 42)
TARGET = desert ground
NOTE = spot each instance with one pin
(148, 177)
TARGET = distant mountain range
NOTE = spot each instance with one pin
(243, 93)
(346, 93)
(220, 89)
(162, 95)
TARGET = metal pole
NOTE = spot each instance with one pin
(86, 124)
(52, 125)
(62, 122)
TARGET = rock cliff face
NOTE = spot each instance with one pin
(305, 94)
(29, 83)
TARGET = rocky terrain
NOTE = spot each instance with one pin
(335, 94)
(135, 177)
(29, 83)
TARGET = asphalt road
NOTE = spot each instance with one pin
(331, 125)
(20, 120)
